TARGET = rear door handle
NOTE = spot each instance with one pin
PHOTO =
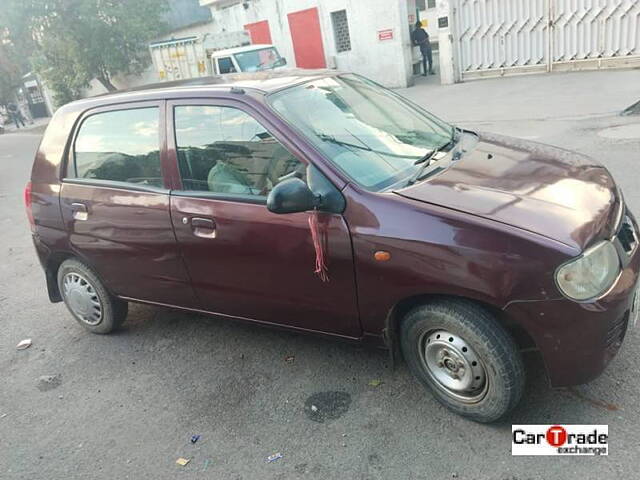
(203, 227)
(79, 211)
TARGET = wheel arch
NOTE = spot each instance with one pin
(51, 273)
(396, 314)
(52, 266)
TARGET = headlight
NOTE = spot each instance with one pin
(591, 274)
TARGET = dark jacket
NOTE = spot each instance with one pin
(420, 37)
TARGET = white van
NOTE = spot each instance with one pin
(250, 58)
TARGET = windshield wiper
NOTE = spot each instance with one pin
(426, 160)
(330, 138)
(426, 157)
(455, 134)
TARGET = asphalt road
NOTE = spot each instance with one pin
(79, 406)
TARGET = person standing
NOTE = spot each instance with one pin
(15, 114)
(420, 38)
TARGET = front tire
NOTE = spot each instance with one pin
(88, 300)
(463, 355)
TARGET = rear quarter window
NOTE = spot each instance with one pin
(121, 146)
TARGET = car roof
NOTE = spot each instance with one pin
(245, 48)
(264, 82)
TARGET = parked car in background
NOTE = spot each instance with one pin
(202, 56)
(323, 203)
(251, 58)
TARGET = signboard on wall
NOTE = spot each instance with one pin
(386, 34)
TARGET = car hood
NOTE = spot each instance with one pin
(553, 192)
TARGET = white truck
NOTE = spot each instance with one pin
(250, 58)
(204, 55)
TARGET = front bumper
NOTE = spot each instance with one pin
(578, 340)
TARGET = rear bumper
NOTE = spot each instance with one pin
(578, 340)
(44, 255)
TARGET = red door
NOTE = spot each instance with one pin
(259, 32)
(307, 39)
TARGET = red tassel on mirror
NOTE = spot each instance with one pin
(319, 242)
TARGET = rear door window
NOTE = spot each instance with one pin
(226, 151)
(120, 146)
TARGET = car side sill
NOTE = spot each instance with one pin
(247, 320)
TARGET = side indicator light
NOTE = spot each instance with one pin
(382, 256)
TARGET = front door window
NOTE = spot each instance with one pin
(224, 150)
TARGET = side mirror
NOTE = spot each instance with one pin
(291, 196)
(281, 62)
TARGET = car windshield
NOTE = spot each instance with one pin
(373, 135)
(255, 60)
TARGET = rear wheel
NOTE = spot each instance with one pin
(464, 356)
(88, 300)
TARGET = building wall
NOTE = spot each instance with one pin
(387, 62)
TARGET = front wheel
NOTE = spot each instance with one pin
(464, 356)
(88, 300)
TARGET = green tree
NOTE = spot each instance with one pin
(71, 42)
(12, 66)
(9, 75)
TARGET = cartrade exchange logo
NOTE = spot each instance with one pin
(560, 440)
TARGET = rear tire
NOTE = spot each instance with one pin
(88, 300)
(465, 357)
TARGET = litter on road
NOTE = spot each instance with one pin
(195, 438)
(274, 457)
(289, 359)
(49, 382)
(314, 408)
(24, 344)
(375, 383)
(183, 461)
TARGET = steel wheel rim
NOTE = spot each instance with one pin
(82, 299)
(453, 366)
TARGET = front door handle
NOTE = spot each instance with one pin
(203, 227)
(79, 211)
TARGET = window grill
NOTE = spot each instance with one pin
(341, 31)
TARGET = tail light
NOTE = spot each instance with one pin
(27, 204)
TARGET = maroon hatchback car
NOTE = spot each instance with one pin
(323, 202)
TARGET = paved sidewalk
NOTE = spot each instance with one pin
(38, 126)
(530, 97)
